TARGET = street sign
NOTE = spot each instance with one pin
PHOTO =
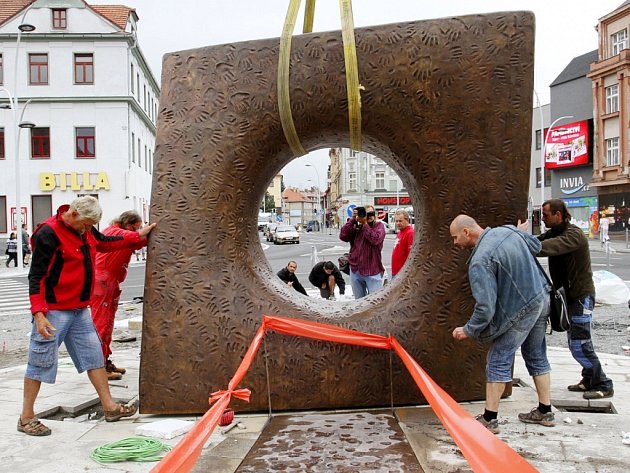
(350, 208)
(14, 225)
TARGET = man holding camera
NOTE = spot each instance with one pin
(366, 234)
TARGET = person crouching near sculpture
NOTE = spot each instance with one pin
(511, 307)
(111, 271)
(60, 286)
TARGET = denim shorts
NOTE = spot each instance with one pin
(528, 333)
(76, 330)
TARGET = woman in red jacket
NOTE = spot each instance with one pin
(111, 270)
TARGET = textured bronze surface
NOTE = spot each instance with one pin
(447, 103)
(340, 442)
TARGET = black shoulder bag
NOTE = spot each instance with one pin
(559, 313)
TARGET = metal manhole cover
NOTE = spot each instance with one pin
(339, 442)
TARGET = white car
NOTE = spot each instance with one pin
(285, 234)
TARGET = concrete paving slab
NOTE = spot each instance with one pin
(589, 443)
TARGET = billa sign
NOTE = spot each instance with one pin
(567, 145)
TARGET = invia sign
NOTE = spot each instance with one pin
(572, 185)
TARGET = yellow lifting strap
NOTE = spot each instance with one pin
(309, 14)
(284, 101)
(352, 73)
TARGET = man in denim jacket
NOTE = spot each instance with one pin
(512, 304)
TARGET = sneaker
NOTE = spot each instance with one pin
(492, 426)
(598, 393)
(536, 417)
(579, 387)
(111, 376)
(112, 368)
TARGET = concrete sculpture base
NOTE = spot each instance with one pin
(447, 103)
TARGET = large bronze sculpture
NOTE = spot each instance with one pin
(447, 103)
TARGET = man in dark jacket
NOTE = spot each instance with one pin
(325, 276)
(570, 267)
(288, 276)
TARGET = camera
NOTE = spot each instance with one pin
(361, 212)
(370, 214)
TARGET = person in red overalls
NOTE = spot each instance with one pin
(111, 270)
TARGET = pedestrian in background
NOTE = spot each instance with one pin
(111, 271)
(26, 247)
(404, 241)
(325, 276)
(60, 286)
(511, 308)
(288, 276)
(12, 249)
(604, 224)
(366, 235)
(570, 267)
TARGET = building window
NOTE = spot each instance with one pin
(547, 178)
(85, 142)
(138, 85)
(380, 180)
(612, 98)
(133, 148)
(139, 154)
(1, 69)
(132, 74)
(612, 152)
(38, 69)
(2, 155)
(84, 68)
(59, 18)
(3, 214)
(352, 181)
(619, 41)
(146, 157)
(538, 139)
(40, 143)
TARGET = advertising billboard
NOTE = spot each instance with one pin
(567, 145)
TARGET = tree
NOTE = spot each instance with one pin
(269, 203)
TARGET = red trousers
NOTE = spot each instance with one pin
(104, 304)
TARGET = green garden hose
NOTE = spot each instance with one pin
(135, 449)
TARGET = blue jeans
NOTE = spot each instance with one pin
(364, 285)
(581, 344)
(76, 330)
(528, 332)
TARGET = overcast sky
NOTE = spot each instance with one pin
(564, 29)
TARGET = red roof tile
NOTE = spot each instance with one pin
(117, 14)
(10, 8)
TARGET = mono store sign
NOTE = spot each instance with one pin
(73, 181)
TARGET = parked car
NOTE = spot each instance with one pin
(271, 228)
(286, 234)
(312, 226)
(262, 225)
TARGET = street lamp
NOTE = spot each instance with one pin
(17, 126)
(319, 201)
(318, 197)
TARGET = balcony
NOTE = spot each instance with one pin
(609, 65)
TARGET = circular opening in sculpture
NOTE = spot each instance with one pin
(300, 224)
